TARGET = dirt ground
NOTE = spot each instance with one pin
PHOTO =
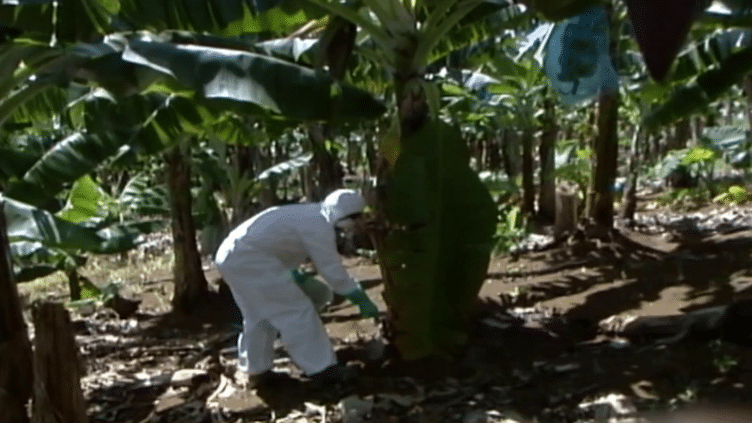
(536, 353)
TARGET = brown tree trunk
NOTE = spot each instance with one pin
(680, 138)
(370, 152)
(336, 48)
(326, 162)
(57, 369)
(511, 149)
(629, 205)
(494, 154)
(528, 184)
(16, 376)
(190, 282)
(601, 204)
(748, 92)
(74, 285)
(547, 192)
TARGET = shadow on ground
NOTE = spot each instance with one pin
(542, 366)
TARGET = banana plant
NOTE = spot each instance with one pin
(704, 72)
(424, 168)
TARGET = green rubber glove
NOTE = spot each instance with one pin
(298, 276)
(319, 292)
(365, 305)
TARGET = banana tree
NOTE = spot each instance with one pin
(35, 169)
(432, 266)
(264, 88)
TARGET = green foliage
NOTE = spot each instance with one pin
(703, 88)
(560, 9)
(735, 195)
(574, 164)
(250, 82)
(700, 161)
(30, 224)
(93, 296)
(700, 156)
(70, 158)
(511, 229)
(686, 198)
(69, 21)
(438, 250)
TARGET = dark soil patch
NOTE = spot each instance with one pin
(536, 353)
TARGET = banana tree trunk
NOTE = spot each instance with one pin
(601, 204)
(680, 137)
(493, 147)
(336, 48)
(528, 183)
(547, 194)
(510, 146)
(190, 282)
(629, 204)
(74, 285)
(433, 263)
(16, 375)
(325, 161)
(748, 92)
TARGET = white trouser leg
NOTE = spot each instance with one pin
(305, 339)
(272, 302)
(256, 341)
(256, 347)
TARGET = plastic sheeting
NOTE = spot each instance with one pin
(577, 57)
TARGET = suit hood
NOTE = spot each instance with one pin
(341, 203)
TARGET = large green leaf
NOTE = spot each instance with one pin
(281, 169)
(437, 252)
(241, 77)
(702, 90)
(69, 159)
(79, 20)
(471, 35)
(556, 10)
(143, 198)
(709, 52)
(225, 17)
(86, 201)
(31, 224)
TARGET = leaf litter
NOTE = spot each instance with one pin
(525, 361)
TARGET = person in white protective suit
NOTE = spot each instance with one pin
(257, 260)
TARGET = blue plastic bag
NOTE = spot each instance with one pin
(577, 57)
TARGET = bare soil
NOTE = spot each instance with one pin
(536, 352)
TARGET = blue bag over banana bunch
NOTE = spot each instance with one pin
(577, 57)
(318, 291)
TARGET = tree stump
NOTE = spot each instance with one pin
(15, 350)
(566, 210)
(57, 383)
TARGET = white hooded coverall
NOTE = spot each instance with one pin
(255, 260)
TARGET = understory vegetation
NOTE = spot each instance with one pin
(558, 195)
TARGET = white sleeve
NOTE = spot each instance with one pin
(322, 249)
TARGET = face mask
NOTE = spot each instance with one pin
(346, 224)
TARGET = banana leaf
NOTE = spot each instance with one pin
(285, 167)
(239, 77)
(711, 51)
(225, 17)
(701, 91)
(556, 10)
(437, 252)
(31, 224)
(72, 157)
(69, 21)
